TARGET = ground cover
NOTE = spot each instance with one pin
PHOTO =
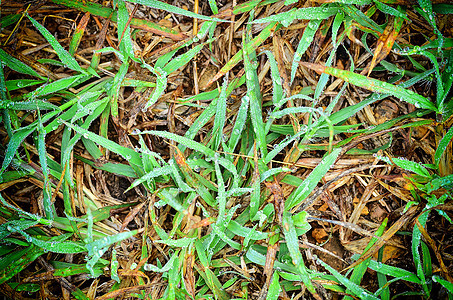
(226, 150)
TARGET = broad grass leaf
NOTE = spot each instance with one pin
(304, 43)
(183, 59)
(368, 24)
(161, 85)
(220, 118)
(376, 86)
(292, 242)
(17, 65)
(13, 263)
(179, 243)
(56, 246)
(169, 197)
(391, 271)
(130, 155)
(360, 269)
(357, 290)
(446, 284)
(256, 256)
(47, 190)
(15, 226)
(114, 90)
(64, 55)
(253, 92)
(407, 165)
(58, 85)
(308, 185)
(29, 105)
(277, 92)
(13, 145)
(189, 143)
(239, 124)
(308, 13)
(249, 47)
(165, 170)
(418, 260)
(388, 10)
(221, 195)
(165, 268)
(124, 30)
(280, 146)
(114, 267)
(442, 147)
(17, 84)
(243, 231)
(174, 9)
(274, 287)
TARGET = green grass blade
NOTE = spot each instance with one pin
(376, 86)
(47, 191)
(17, 65)
(56, 245)
(183, 140)
(16, 84)
(13, 145)
(78, 34)
(58, 85)
(274, 288)
(29, 105)
(220, 118)
(292, 242)
(114, 90)
(359, 270)
(64, 56)
(358, 291)
(13, 263)
(174, 9)
(392, 271)
(254, 94)
(277, 92)
(124, 30)
(128, 154)
(308, 185)
(368, 24)
(407, 165)
(442, 147)
(221, 195)
(446, 284)
(249, 47)
(416, 240)
(304, 43)
(183, 59)
(307, 13)
(239, 124)
(388, 10)
(161, 85)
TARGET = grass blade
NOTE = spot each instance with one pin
(375, 85)
(64, 56)
(442, 147)
(307, 13)
(17, 65)
(304, 43)
(354, 288)
(308, 185)
(174, 9)
(254, 94)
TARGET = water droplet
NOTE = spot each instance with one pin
(136, 131)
